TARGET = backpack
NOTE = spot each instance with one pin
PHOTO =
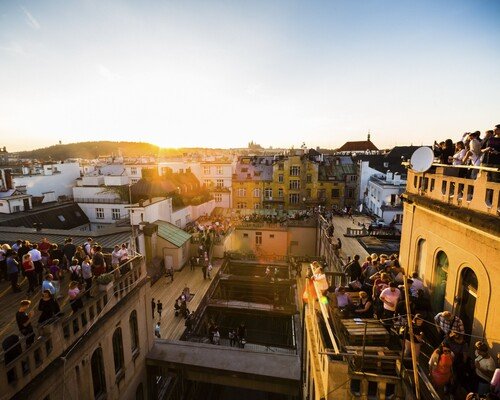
(75, 273)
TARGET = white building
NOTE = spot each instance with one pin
(214, 173)
(103, 195)
(49, 181)
(382, 198)
(13, 200)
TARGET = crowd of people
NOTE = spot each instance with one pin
(46, 266)
(376, 289)
(472, 149)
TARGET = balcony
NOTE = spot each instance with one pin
(64, 333)
(273, 199)
(446, 184)
(99, 200)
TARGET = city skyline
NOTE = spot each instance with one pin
(218, 75)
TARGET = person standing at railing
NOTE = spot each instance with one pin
(23, 319)
(48, 306)
(87, 275)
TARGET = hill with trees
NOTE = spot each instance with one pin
(91, 150)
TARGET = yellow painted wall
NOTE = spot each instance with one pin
(465, 246)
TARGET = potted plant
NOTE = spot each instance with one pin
(105, 282)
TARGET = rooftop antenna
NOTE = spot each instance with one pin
(421, 159)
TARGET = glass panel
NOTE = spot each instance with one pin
(440, 278)
(468, 296)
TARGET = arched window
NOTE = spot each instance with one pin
(98, 377)
(118, 350)
(420, 257)
(134, 331)
(440, 278)
(468, 296)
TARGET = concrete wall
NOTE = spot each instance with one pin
(298, 241)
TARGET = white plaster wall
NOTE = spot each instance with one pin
(61, 183)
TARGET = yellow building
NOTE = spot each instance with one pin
(251, 179)
(451, 237)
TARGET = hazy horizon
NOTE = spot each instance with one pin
(214, 73)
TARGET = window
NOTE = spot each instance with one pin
(207, 183)
(245, 235)
(206, 170)
(256, 193)
(335, 193)
(220, 170)
(308, 178)
(280, 178)
(268, 192)
(134, 331)
(468, 296)
(258, 238)
(308, 192)
(99, 213)
(420, 256)
(295, 184)
(118, 350)
(294, 198)
(350, 193)
(241, 205)
(220, 183)
(439, 281)
(256, 206)
(115, 213)
(280, 192)
(218, 197)
(178, 223)
(242, 192)
(188, 218)
(281, 167)
(98, 376)
(61, 218)
(321, 194)
(353, 178)
(294, 170)
(133, 171)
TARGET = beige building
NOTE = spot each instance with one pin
(98, 352)
(451, 237)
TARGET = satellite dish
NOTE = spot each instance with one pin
(422, 159)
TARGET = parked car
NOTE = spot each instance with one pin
(380, 224)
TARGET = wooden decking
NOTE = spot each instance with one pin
(172, 327)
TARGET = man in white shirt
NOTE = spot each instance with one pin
(390, 298)
(36, 257)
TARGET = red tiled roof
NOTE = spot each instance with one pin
(362, 145)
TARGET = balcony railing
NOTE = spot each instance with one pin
(446, 184)
(98, 200)
(59, 336)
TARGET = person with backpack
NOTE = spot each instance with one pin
(76, 271)
(446, 323)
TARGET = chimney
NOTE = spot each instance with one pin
(389, 176)
(368, 138)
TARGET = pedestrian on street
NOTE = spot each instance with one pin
(159, 308)
(204, 270)
(157, 330)
(153, 307)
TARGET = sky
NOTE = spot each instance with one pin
(223, 73)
